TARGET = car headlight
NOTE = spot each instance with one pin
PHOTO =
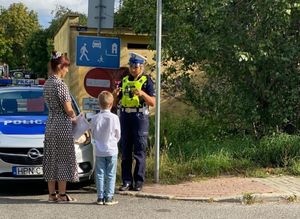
(84, 139)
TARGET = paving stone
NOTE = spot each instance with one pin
(226, 189)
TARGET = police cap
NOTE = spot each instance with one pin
(136, 58)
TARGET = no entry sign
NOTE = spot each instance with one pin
(98, 79)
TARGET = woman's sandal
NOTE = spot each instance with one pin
(65, 198)
(52, 198)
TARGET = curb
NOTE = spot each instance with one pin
(250, 198)
(145, 195)
(276, 197)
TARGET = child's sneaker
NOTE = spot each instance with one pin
(110, 201)
(100, 201)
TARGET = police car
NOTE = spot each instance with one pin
(23, 115)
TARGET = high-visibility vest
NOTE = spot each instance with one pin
(128, 98)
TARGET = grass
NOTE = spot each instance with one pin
(294, 168)
(292, 198)
(191, 148)
(248, 199)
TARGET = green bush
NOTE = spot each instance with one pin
(192, 147)
(277, 150)
(295, 167)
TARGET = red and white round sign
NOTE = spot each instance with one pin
(97, 80)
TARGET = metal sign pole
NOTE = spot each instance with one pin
(158, 70)
(99, 26)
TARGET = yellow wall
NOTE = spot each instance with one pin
(65, 42)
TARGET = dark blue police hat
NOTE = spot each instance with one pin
(136, 58)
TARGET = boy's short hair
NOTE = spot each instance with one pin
(105, 99)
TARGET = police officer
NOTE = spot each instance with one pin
(136, 93)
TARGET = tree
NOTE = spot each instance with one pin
(39, 46)
(131, 12)
(16, 26)
(38, 49)
(60, 14)
(249, 51)
(5, 48)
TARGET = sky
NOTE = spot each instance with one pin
(45, 7)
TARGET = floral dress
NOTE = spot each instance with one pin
(59, 162)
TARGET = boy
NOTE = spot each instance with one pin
(106, 131)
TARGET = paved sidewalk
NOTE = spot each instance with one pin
(227, 189)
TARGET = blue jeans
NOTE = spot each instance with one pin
(106, 169)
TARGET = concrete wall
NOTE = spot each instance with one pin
(65, 41)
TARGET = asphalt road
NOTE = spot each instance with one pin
(29, 200)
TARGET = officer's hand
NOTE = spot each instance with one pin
(137, 92)
(116, 92)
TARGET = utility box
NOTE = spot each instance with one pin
(101, 14)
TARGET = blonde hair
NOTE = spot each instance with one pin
(105, 99)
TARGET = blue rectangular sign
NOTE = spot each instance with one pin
(100, 52)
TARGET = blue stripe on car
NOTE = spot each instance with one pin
(22, 125)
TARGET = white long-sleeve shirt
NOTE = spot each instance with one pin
(106, 132)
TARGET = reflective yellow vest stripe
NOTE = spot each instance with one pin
(128, 98)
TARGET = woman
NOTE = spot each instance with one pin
(59, 163)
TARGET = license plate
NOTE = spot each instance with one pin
(27, 171)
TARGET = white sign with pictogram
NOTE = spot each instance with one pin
(90, 104)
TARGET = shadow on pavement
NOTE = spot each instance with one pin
(9, 188)
(34, 201)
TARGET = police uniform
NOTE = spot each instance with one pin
(134, 118)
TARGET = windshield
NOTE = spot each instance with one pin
(22, 103)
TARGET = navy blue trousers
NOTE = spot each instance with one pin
(134, 134)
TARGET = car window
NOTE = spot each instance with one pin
(22, 103)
